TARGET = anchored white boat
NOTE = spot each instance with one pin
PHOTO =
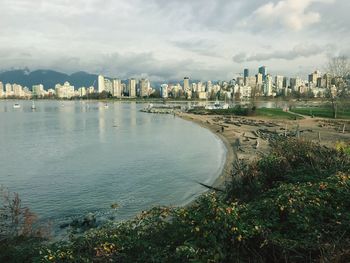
(16, 106)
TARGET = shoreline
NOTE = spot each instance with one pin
(227, 168)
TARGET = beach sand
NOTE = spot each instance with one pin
(239, 134)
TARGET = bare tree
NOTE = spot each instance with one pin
(338, 69)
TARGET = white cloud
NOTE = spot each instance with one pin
(289, 14)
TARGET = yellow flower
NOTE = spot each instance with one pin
(239, 238)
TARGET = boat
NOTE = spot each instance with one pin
(33, 106)
(16, 106)
(106, 106)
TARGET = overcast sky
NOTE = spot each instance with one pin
(170, 39)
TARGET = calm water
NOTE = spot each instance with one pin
(68, 160)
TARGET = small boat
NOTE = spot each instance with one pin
(33, 106)
(16, 106)
(106, 106)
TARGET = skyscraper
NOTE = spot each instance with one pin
(117, 88)
(263, 71)
(132, 88)
(186, 83)
(246, 73)
(101, 83)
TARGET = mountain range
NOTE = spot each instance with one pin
(49, 78)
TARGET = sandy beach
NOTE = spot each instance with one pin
(248, 137)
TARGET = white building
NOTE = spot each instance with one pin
(164, 91)
(64, 91)
(117, 88)
(101, 83)
(38, 90)
(132, 88)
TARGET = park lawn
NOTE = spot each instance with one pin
(322, 112)
(276, 113)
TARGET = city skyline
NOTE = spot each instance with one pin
(163, 40)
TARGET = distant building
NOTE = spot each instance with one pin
(268, 86)
(38, 90)
(263, 71)
(101, 83)
(2, 94)
(279, 84)
(64, 91)
(259, 79)
(246, 73)
(117, 88)
(132, 88)
(164, 91)
(8, 90)
(144, 87)
(295, 83)
(186, 83)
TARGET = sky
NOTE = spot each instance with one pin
(170, 39)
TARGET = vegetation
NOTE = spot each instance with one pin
(274, 113)
(323, 112)
(292, 205)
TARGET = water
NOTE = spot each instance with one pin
(66, 160)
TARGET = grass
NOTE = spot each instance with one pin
(322, 112)
(275, 113)
(271, 113)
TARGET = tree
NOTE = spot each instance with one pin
(338, 69)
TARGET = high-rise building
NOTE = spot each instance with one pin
(8, 90)
(101, 83)
(246, 73)
(279, 84)
(132, 87)
(38, 90)
(263, 71)
(268, 86)
(64, 91)
(144, 87)
(117, 88)
(259, 79)
(164, 91)
(295, 83)
(186, 83)
(1, 90)
(285, 82)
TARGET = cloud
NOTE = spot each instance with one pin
(294, 15)
(301, 50)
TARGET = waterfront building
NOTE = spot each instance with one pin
(268, 86)
(145, 85)
(101, 83)
(2, 93)
(202, 95)
(81, 91)
(279, 84)
(38, 90)
(8, 90)
(245, 92)
(285, 82)
(295, 83)
(117, 88)
(64, 91)
(186, 83)
(164, 91)
(132, 88)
